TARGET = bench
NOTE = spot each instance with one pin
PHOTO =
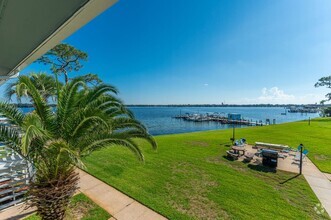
(270, 146)
(232, 155)
(248, 157)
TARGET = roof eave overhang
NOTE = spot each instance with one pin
(81, 17)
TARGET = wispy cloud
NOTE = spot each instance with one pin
(206, 84)
(275, 95)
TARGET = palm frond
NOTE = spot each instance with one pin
(10, 91)
(12, 113)
(86, 124)
(10, 136)
(40, 105)
(125, 122)
(104, 101)
(67, 101)
(33, 129)
(107, 141)
(136, 133)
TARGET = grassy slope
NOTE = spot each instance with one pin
(83, 207)
(188, 178)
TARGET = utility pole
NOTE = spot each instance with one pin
(233, 134)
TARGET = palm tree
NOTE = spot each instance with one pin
(87, 118)
(44, 83)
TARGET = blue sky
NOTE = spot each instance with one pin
(193, 51)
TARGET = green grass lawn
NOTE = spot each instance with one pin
(188, 177)
(82, 208)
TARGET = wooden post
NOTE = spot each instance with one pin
(233, 134)
(301, 150)
(234, 128)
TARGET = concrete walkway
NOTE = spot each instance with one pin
(319, 183)
(119, 205)
(16, 212)
(328, 175)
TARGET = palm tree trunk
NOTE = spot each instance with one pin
(51, 198)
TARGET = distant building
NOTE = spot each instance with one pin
(234, 116)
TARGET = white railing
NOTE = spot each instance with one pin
(14, 177)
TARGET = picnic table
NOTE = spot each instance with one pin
(248, 156)
(238, 149)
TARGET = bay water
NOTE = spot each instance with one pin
(159, 120)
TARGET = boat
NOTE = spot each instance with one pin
(304, 109)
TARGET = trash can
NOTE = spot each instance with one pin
(269, 158)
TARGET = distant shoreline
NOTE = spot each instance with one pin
(229, 105)
(27, 105)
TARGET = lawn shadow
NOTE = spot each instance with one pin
(114, 170)
(260, 168)
(21, 215)
(246, 161)
(228, 158)
(293, 177)
(226, 144)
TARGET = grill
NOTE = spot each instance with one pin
(269, 158)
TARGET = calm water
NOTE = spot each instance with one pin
(159, 120)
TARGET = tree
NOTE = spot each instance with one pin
(64, 59)
(325, 82)
(44, 83)
(87, 118)
(327, 112)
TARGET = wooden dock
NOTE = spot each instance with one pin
(215, 118)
